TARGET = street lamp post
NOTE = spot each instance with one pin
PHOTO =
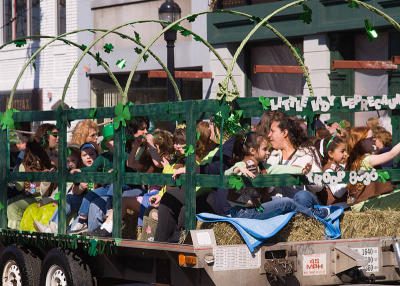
(169, 11)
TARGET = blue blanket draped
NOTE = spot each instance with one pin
(255, 232)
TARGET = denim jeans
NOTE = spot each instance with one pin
(107, 190)
(73, 204)
(306, 199)
(272, 208)
(97, 205)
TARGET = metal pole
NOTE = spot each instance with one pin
(170, 37)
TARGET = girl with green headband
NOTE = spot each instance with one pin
(333, 155)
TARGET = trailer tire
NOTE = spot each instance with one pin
(65, 267)
(20, 265)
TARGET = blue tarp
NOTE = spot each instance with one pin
(255, 232)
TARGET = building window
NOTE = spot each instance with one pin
(275, 84)
(35, 17)
(8, 21)
(61, 17)
(21, 19)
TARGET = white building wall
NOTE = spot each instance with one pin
(227, 52)
(317, 59)
(55, 62)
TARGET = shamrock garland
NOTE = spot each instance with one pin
(231, 119)
(139, 51)
(192, 18)
(185, 32)
(84, 47)
(98, 59)
(122, 114)
(265, 102)
(236, 182)
(137, 37)
(188, 150)
(6, 119)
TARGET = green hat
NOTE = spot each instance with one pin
(333, 119)
(108, 133)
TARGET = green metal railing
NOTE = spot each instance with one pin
(190, 111)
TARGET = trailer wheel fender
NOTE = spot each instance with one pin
(19, 267)
(64, 268)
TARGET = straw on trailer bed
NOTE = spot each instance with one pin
(371, 223)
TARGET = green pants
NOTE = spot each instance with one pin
(16, 207)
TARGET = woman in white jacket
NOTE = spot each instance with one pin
(292, 148)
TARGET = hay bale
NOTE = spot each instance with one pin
(371, 223)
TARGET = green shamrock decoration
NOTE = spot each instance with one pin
(121, 63)
(57, 196)
(20, 43)
(177, 28)
(188, 150)
(185, 33)
(137, 37)
(122, 114)
(353, 4)
(383, 176)
(6, 120)
(371, 32)
(395, 122)
(342, 124)
(197, 38)
(98, 59)
(265, 102)
(108, 48)
(83, 47)
(236, 182)
(192, 18)
(117, 241)
(68, 151)
(197, 135)
(92, 112)
(306, 15)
